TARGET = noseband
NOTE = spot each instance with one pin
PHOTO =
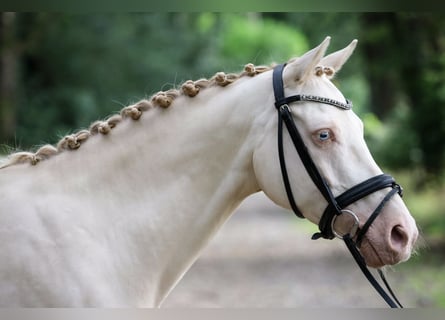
(336, 205)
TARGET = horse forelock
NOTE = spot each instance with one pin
(161, 99)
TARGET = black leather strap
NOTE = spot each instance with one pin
(306, 158)
(350, 196)
(394, 302)
(283, 167)
(284, 115)
(374, 215)
(280, 99)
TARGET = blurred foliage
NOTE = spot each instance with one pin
(245, 38)
(406, 74)
(74, 69)
(59, 72)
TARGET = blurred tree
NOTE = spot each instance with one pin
(257, 39)
(382, 58)
(406, 68)
(78, 68)
(424, 80)
(8, 76)
(74, 68)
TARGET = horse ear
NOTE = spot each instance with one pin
(337, 59)
(298, 69)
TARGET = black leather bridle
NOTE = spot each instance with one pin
(336, 205)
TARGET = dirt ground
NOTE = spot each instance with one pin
(264, 257)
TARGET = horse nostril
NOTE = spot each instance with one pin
(399, 238)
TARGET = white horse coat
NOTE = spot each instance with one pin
(119, 221)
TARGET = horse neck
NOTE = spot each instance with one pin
(178, 172)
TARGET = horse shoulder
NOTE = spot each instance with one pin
(49, 255)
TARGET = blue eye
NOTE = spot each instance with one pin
(324, 135)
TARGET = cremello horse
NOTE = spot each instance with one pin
(120, 220)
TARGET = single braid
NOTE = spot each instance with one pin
(250, 69)
(104, 127)
(190, 88)
(73, 141)
(165, 99)
(131, 112)
(329, 71)
(320, 70)
(222, 79)
(135, 111)
(46, 151)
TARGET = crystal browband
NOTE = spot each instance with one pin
(307, 97)
(335, 103)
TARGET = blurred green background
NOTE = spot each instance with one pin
(59, 72)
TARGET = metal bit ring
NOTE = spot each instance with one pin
(354, 228)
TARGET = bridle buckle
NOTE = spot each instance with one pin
(285, 107)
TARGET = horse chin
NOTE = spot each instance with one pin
(377, 257)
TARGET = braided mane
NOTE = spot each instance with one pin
(161, 99)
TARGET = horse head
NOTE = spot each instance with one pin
(333, 136)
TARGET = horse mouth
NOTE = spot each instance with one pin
(379, 252)
(374, 257)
